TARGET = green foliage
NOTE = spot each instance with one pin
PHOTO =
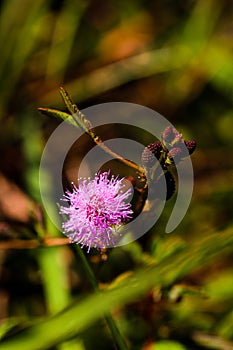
(176, 266)
(162, 291)
(165, 345)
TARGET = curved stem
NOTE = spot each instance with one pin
(81, 121)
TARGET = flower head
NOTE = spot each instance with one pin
(191, 146)
(171, 137)
(151, 154)
(97, 209)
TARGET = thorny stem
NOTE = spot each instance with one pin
(81, 121)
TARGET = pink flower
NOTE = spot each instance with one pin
(96, 211)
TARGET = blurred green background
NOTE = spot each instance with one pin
(172, 56)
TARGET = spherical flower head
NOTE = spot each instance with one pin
(96, 211)
(171, 137)
(191, 146)
(175, 154)
(151, 154)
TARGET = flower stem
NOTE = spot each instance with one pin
(120, 342)
(87, 268)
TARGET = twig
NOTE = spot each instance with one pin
(82, 122)
(31, 244)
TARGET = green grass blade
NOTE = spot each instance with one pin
(80, 315)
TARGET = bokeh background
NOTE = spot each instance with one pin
(172, 56)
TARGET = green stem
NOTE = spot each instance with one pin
(117, 336)
(87, 268)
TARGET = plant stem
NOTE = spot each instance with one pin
(120, 342)
(82, 122)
